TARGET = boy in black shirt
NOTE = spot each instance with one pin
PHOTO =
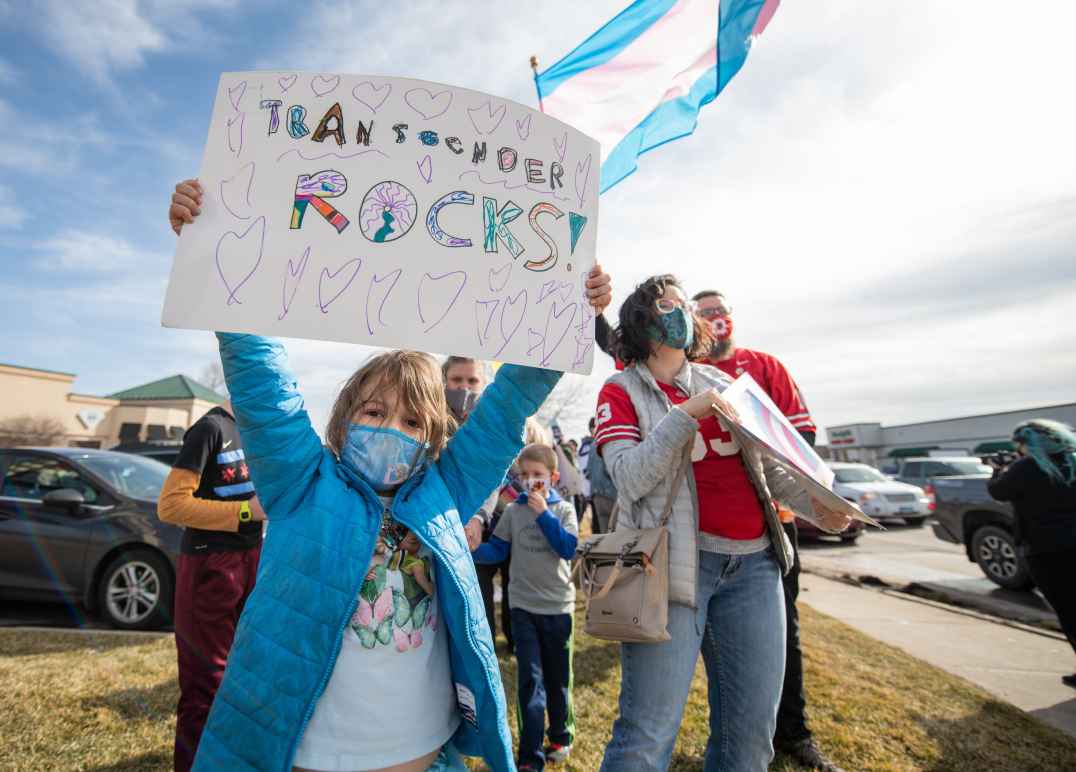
(210, 494)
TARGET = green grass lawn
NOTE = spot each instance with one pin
(106, 702)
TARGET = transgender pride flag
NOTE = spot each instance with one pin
(639, 81)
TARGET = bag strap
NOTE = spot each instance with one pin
(675, 488)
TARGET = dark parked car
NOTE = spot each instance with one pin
(966, 514)
(81, 526)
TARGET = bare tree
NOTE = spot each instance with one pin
(212, 375)
(567, 403)
(31, 430)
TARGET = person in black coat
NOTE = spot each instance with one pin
(1042, 488)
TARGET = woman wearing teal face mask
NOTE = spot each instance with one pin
(727, 547)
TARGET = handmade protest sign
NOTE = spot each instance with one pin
(391, 212)
(760, 423)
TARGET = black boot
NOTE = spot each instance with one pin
(807, 754)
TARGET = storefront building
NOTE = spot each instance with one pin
(873, 443)
(39, 407)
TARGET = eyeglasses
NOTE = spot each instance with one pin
(709, 314)
(668, 305)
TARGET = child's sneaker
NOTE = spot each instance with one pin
(557, 753)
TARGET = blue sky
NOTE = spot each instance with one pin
(889, 199)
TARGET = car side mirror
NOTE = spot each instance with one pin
(65, 498)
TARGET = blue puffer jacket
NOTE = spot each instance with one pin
(320, 540)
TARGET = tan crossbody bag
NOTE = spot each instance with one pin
(625, 577)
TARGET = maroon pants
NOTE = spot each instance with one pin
(210, 592)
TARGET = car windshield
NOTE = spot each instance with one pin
(134, 476)
(858, 474)
(967, 467)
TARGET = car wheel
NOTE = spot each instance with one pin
(995, 552)
(915, 522)
(135, 592)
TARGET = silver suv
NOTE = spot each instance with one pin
(920, 471)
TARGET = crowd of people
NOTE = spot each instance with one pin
(367, 642)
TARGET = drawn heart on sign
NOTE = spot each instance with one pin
(235, 192)
(293, 275)
(235, 94)
(333, 284)
(485, 119)
(565, 291)
(523, 128)
(561, 147)
(372, 96)
(286, 81)
(583, 347)
(235, 133)
(322, 85)
(238, 258)
(371, 299)
(437, 290)
(534, 341)
(425, 168)
(513, 311)
(501, 275)
(483, 317)
(555, 321)
(427, 104)
(582, 171)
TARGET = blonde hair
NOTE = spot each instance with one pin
(535, 434)
(416, 379)
(541, 454)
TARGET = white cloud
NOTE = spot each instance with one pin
(11, 214)
(88, 252)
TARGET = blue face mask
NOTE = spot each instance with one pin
(677, 329)
(382, 457)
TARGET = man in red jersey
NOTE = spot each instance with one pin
(792, 736)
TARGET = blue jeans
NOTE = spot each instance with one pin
(739, 626)
(544, 659)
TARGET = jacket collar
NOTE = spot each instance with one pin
(682, 379)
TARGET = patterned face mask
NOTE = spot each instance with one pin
(677, 329)
(382, 457)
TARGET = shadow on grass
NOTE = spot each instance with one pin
(26, 643)
(138, 703)
(155, 760)
(594, 660)
(970, 744)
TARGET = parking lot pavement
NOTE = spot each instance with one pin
(914, 560)
(1021, 665)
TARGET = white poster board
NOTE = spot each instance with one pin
(391, 212)
(760, 422)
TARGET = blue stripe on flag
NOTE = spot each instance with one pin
(234, 490)
(231, 456)
(604, 44)
(679, 117)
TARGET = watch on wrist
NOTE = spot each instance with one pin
(245, 515)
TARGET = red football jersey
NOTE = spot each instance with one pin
(728, 505)
(774, 379)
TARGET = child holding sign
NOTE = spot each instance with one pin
(343, 659)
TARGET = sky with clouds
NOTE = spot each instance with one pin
(886, 192)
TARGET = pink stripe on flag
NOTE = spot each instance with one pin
(764, 16)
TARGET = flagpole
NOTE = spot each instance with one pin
(538, 88)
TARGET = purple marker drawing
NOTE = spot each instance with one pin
(484, 309)
(498, 277)
(552, 321)
(233, 266)
(366, 93)
(561, 147)
(322, 85)
(489, 118)
(425, 168)
(582, 169)
(235, 126)
(582, 349)
(523, 128)
(235, 94)
(235, 191)
(287, 81)
(293, 276)
(504, 184)
(512, 313)
(535, 340)
(326, 297)
(462, 275)
(375, 280)
(427, 104)
(553, 285)
(305, 157)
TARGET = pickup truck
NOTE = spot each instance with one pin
(966, 514)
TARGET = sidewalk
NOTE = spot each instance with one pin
(1021, 666)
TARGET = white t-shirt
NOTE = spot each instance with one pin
(390, 697)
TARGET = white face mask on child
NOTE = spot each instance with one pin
(537, 484)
